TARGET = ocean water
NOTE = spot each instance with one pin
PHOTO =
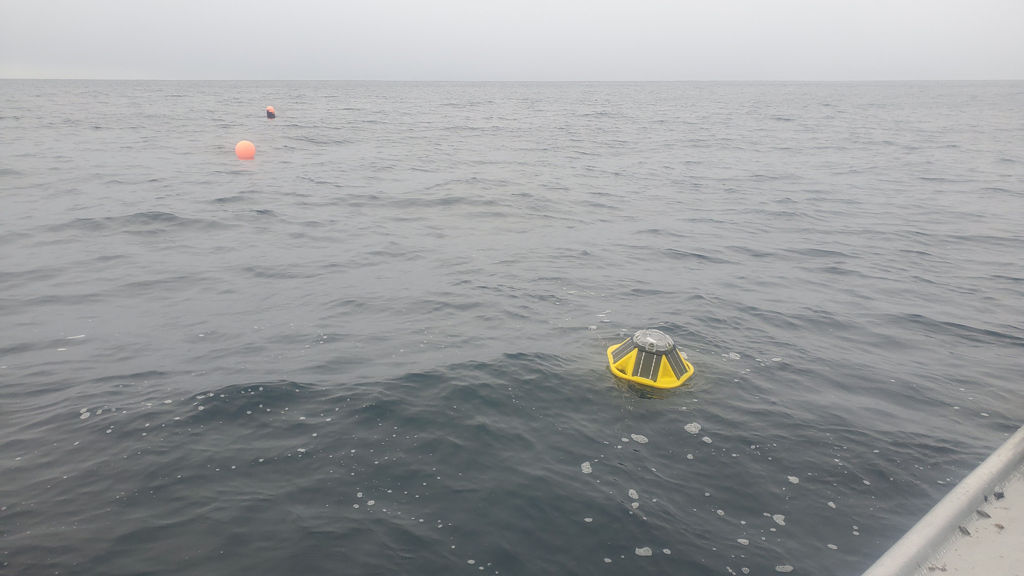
(379, 347)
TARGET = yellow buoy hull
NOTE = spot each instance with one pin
(658, 366)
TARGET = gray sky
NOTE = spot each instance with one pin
(513, 40)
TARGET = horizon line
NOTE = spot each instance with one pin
(466, 81)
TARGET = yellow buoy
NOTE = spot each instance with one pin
(650, 358)
(245, 150)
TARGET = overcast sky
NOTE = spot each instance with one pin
(513, 39)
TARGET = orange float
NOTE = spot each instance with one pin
(270, 112)
(245, 150)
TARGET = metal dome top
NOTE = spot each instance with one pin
(652, 340)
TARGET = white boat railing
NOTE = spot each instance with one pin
(938, 528)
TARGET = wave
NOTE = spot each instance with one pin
(140, 223)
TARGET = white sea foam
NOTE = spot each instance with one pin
(639, 438)
(692, 428)
(586, 468)
(645, 551)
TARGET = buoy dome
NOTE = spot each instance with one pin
(245, 150)
(270, 112)
(653, 340)
(650, 358)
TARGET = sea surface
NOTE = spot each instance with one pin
(379, 346)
